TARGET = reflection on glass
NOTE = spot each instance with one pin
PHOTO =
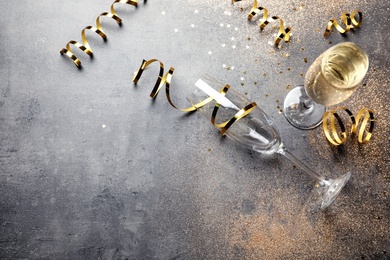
(331, 79)
(256, 131)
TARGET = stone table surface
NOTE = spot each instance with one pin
(92, 168)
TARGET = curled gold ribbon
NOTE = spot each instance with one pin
(85, 47)
(166, 79)
(333, 115)
(368, 116)
(223, 127)
(332, 134)
(283, 34)
(348, 20)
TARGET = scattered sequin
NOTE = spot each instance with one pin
(176, 30)
(233, 46)
(163, 12)
(192, 25)
(210, 52)
(196, 11)
(223, 45)
(104, 126)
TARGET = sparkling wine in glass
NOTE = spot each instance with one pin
(331, 79)
(255, 130)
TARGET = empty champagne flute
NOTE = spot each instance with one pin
(332, 78)
(253, 129)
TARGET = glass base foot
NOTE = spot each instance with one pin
(301, 111)
(332, 189)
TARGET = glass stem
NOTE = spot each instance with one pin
(307, 103)
(283, 151)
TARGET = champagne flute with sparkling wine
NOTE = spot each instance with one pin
(331, 79)
(250, 126)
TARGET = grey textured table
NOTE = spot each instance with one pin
(92, 168)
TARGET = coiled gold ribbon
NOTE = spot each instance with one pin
(283, 34)
(348, 20)
(364, 116)
(167, 78)
(85, 47)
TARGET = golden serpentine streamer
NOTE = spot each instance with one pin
(85, 47)
(348, 20)
(283, 34)
(167, 78)
(364, 116)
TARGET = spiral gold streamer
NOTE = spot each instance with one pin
(332, 134)
(348, 20)
(283, 34)
(368, 116)
(161, 79)
(85, 47)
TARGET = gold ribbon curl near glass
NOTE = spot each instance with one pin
(348, 20)
(167, 78)
(283, 34)
(85, 47)
(244, 122)
(364, 116)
